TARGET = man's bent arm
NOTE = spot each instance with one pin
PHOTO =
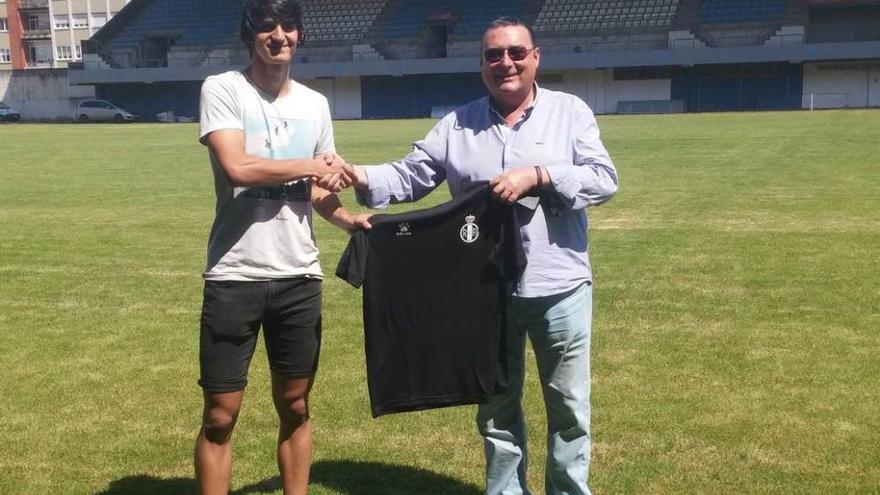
(330, 208)
(593, 178)
(409, 179)
(243, 169)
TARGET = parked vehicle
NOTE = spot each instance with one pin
(8, 114)
(101, 111)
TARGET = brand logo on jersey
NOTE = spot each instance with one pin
(403, 229)
(470, 231)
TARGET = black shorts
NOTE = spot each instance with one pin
(289, 311)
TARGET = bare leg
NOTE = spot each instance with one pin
(291, 396)
(213, 453)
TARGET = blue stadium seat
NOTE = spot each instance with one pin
(733, 11)
(329, 21)
(582, 15)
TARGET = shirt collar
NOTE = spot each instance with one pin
(526, 114)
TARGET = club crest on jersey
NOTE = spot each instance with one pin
(403, 229)
(470, 231)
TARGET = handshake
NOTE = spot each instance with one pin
(334, 174)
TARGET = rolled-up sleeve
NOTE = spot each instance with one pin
(593, 179)
(411, 178)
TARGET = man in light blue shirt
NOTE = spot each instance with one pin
(527, 141)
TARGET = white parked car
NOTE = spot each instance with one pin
(101, 111)
(7, 113)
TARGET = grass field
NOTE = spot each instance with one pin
(735, 347)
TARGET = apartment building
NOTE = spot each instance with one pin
(48, 33)
(5, 52)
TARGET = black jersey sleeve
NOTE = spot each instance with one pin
(352, 265)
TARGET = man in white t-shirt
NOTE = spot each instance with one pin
(271, 147)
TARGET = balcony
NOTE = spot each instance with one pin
(33, 4)
(37, 31)
(36, 34)
(41, 64)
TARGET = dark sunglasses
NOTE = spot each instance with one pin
(516, 53)
(269, 26)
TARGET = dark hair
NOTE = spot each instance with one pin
(255, 12)
(505, 21)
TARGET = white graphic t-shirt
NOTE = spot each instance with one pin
(264, 233)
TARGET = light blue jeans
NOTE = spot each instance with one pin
(559, 329)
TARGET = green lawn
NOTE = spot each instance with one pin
(735, 345)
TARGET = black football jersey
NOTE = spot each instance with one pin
(434, 286)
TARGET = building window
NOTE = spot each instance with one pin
(4, 56)
(99, 20)
(77, 55)
(34, 22)
(4, 25)
(62, 22)
(39, 55)
(80, 21)
(64, 52)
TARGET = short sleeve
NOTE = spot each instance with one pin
(219, 107)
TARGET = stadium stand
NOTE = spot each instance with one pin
(144, 36)
(330, 21)
(732, 23)
(200, 22)
(467, 18)
(198, 27)
(195, 22)
(843, 24)
(730, 11)
(579, 15)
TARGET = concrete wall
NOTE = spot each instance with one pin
(46, 95)
(41, 94)
(602, 93)
(874, 88)
(343, 94)
(842, 85)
